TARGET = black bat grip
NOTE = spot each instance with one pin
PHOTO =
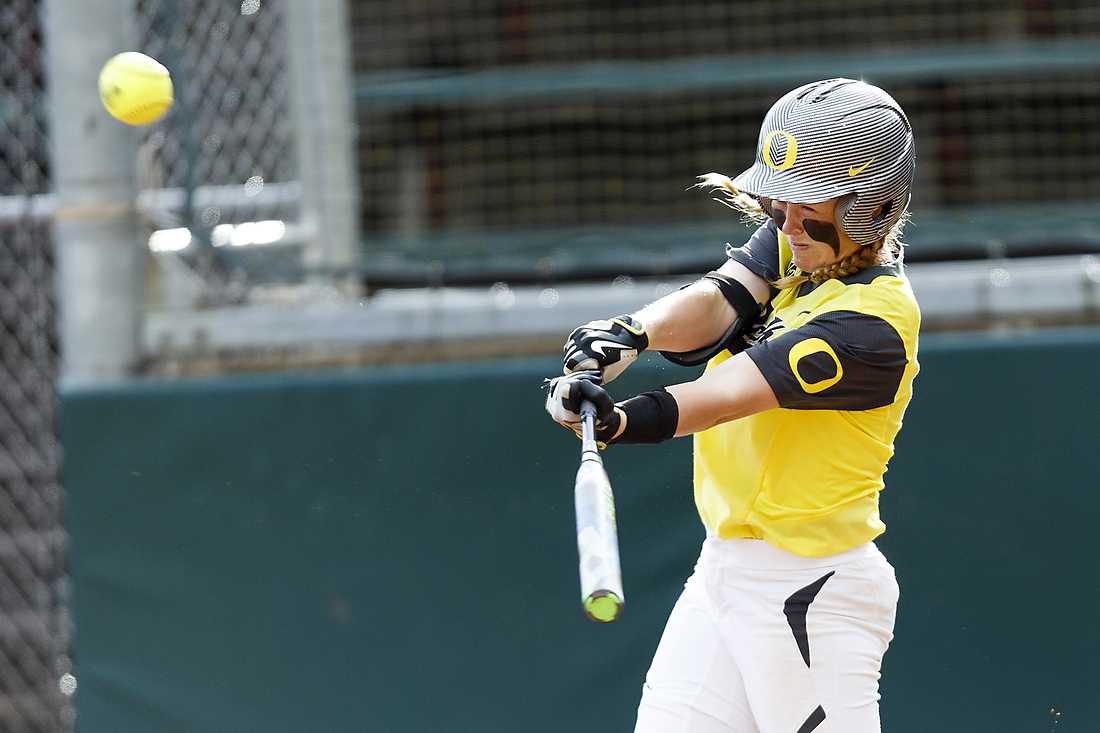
(588, 428)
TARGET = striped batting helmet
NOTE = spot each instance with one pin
(837, 138)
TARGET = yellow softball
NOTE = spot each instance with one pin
(135, 88)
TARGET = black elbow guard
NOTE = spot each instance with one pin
(747, 312)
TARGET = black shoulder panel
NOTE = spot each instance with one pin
(868, 274)
(842, 360)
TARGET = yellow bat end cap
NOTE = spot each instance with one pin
(604, 608)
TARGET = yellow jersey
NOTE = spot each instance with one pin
(841, 357)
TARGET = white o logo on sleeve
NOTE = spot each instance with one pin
(809, 347)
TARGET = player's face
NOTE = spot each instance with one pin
(816, 240)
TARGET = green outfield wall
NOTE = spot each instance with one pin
(392, 550)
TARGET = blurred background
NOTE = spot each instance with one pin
(283, 350)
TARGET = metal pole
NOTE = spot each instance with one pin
(100, 260)
(321, 99)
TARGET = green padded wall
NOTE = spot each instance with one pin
(392, 550)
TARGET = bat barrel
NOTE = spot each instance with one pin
(597, 535)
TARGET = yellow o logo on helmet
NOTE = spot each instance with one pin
(809, 347)
(792, 150)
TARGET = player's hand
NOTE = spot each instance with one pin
(606, 346)
(563, 402)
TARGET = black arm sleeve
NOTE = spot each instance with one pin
(842, 360)
(760, 254)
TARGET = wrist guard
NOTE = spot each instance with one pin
(651, 417)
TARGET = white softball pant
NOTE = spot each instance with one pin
(763, 641)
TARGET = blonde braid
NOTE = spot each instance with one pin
(862, 258)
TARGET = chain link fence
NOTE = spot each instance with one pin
(218, 175)
(544, 140)
(36, 683)
(555, 136)
(471, 34)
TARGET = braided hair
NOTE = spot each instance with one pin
(862, 258)
(885, 251)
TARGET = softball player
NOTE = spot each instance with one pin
(810, 334)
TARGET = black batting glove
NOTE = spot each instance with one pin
(608, 347)
(563, 402)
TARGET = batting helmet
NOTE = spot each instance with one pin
(837, 138)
